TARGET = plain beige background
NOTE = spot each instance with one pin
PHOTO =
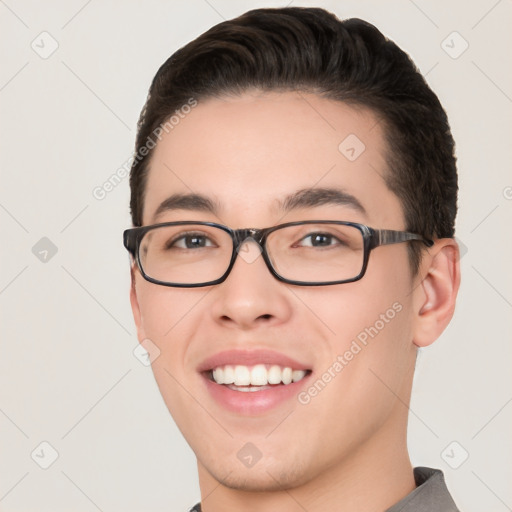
(68, 374)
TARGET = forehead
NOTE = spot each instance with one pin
(249, 153)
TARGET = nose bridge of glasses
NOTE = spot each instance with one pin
(247, 235)
(248, 244)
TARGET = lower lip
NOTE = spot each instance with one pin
(253, 402)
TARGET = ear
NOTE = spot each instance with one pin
(435, 294)
(135, 304)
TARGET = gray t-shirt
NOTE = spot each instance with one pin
(430, 495)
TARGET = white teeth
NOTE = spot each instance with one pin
(248, 389)
(274, 375)
(229, 375)
(218, 375)
(287, 375)
(297, 375)
(257, 375)
(242, 376)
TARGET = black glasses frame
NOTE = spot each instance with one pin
(372, 238)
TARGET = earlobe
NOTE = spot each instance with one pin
(434, 297)
(137, 316)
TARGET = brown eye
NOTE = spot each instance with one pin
(189, 241)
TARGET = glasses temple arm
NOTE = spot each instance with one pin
(389, 236)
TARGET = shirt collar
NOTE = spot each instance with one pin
(430, 495)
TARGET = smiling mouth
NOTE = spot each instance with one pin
(255, 378)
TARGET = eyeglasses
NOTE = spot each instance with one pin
(191, 254)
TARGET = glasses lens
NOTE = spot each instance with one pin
(185, 254)
(317, 253)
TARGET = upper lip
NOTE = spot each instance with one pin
(250, 358)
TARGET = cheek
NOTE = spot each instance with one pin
(169, 317)
(376, 307)
(370, 345)
(163, 309)
(365, 380)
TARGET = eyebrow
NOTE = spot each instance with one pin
(305, 198)
(190, 202)
(314, 197)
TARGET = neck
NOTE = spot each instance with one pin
(372, 478)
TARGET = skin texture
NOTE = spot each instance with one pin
(245, 153)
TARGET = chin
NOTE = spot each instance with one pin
(264, 476)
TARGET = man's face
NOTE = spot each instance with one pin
(247, 154)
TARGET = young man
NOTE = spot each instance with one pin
(293, 201)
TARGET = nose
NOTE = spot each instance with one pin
(251, 296)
